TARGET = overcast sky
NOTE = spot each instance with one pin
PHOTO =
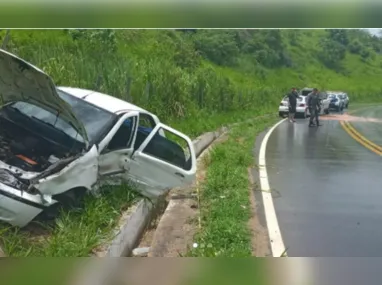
(375, 32)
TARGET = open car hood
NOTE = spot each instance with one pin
(21, 81)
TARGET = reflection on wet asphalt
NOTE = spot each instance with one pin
(372, 131)
(328, 191)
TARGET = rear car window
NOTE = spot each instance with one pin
(305, 92)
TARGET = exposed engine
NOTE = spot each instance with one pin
(22, 154)
(26, 151)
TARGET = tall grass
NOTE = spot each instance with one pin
(162, 72)
(148, 68)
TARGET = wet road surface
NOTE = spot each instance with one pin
(327, 189)
(372, 130)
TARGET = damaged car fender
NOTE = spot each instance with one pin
(82, 172)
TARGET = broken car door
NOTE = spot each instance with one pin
(117, 147)
(161, 162)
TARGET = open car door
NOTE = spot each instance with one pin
(117, 147)
(163, 162)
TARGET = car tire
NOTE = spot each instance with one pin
(326, 111)
(281, 114)
(71, 199)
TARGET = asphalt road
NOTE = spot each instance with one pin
(327, 188)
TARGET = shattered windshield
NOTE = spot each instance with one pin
(37, 113)
(94, 119)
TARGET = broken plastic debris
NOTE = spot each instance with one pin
(141, 251)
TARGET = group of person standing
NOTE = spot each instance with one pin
(313, 102)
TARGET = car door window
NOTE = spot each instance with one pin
(170, 148)
(145, 126)
(123, 138)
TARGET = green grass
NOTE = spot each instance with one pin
(75, 233)
(225, 206)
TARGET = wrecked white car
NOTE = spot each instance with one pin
(57, 143)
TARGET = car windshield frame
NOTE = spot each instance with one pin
(94, 129)
(307, 91)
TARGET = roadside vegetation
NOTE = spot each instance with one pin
(76, 233)
(196, 81)
(224, 196)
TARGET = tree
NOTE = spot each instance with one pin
(218, 46)
(355, 47)
(339, 35)
(332, 53)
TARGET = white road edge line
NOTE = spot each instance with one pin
(275, 237)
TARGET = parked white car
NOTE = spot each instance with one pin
(325, 103)
(58, 143)
(302, 109)
(346, 99)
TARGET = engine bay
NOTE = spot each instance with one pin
(26, 150)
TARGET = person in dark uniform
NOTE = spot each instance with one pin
(314, 105)
(292, 97)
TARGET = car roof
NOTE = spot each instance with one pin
(103, 101)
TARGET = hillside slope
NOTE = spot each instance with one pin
(198, 79)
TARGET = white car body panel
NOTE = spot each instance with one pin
(301, 107)
(160, 175)
(15, 212)
(104, 101)
(82, 172)
(152, 175)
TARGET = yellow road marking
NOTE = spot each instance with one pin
(374, 145)
(361, 139)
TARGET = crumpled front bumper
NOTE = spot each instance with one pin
(17, 207)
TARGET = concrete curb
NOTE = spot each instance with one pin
(130, 233)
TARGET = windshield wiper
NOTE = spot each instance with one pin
(49, 124)
(41, 121)
(53, 126)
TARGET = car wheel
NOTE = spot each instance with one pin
(68, 200)
(326, 111)
(281, 114)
